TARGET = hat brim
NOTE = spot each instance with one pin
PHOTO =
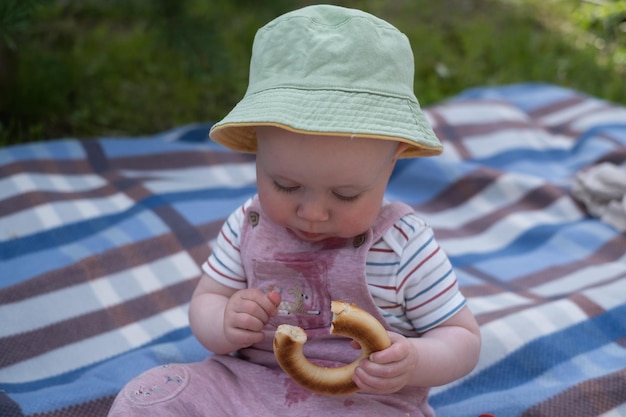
(330, 112)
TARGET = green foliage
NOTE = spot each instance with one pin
(606, 19)
(605, 23)
(14, 18)
(135, 67)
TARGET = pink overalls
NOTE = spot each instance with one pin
(308, 276)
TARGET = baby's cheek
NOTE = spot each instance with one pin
(354, 224)
(277, 209)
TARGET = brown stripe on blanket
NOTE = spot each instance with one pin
(174, 160)
(589, 398)
(590, 308)
(612, 251)
(114, 261)
(556, 107)
(176, 223)
(575, 133)
(448, 134)
(535, 200)
(490, 286)
(116, 181)
(180, 159)
(464, 133)
(493, 285)
(458, 135)
(95, 155)
(565, 126)
(30, 344)
(485, 318)
(616, 156)
(188, 236)
(463, 189)
(46, 166)
(28, 200)
(8, 407)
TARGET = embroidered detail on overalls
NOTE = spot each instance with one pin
(158, 385)
(146, 392)
(175, 378)
(298, 305)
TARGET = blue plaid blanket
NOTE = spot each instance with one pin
(101, 242)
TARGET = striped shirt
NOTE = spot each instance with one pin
(409, 276)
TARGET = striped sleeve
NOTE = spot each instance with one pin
(224, 264)
(411, 278)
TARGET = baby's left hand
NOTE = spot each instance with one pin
(388, 370)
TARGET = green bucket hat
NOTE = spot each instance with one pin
(330, 70)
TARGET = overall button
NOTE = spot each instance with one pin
(359, 240)
(253, 218)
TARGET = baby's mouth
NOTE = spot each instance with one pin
(308, 236)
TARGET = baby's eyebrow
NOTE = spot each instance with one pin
(282, 178)
(349, 187)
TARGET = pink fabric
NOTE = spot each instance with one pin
(308, 276)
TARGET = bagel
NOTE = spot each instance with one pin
(348, 320)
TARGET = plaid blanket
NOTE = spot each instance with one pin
(101, 242)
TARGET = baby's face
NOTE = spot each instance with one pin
(321, 187)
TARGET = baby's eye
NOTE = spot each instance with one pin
(285, 189)
(346, 198)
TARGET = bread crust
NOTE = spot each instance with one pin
(348, 320)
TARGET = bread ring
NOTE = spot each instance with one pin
(348, 320)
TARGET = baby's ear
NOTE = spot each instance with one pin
(401, 148)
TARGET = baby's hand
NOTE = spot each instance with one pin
(389, 370)
(246, 313)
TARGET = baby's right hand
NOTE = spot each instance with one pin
(246, 314)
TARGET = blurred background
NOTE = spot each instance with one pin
(93, 68)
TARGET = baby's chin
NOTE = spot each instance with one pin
(311, 237)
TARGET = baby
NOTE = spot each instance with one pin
(329, 110)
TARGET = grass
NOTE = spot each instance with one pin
(136, 67)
